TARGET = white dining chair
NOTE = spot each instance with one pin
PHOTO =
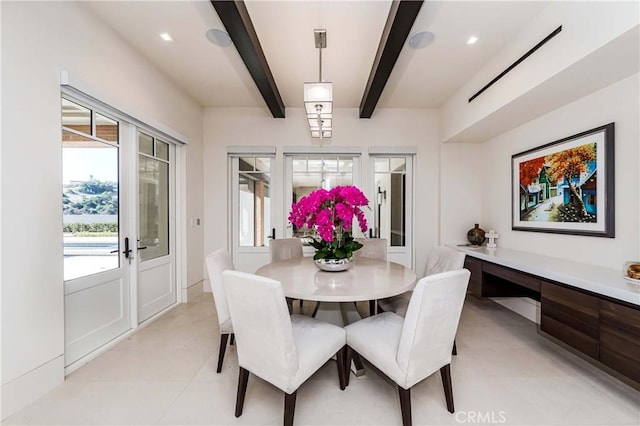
(373, 248)
(285, 249)
(440, 259)
(217, 262)
(285, 350)
(410, 349)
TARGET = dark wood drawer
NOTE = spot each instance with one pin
(574, 308)
(475, 282)
(620, 338)
(619, 316)
(569, 335)
(571, 316)
(516, 277)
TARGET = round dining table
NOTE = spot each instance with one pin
(367, 279)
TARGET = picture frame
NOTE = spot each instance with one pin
(566, 186)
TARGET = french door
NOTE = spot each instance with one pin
(252, 209)
(156, 233)
(305, 173)
(119, 233)
(392, 205)
(97, 231)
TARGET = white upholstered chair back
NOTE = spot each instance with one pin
(374, 248)
(262, 327)
(443, 259)
(285, 249)
(430, 325)
(218, 261)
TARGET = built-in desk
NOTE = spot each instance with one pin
(590, 308)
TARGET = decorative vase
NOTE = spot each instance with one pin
(476, 235)
(334, 265)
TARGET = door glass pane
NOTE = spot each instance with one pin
(76, 117)
(153, 200)
(263, 164)
(254, 202)
(381, 165)
(389, 208)
(89, 205)
(162, 150)
(145, 144)
(299, 164)
(106, 128)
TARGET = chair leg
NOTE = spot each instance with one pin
(290, 305)
(372, 307)
(353, 356)
(405, 405)
(347, 365)
(357, 362)
(233, 339)
(341, 355)
(445, 372)
(454, 351)
(223, 347)
(315, 310)
(300, 304)
(243, 377)
(289, 407)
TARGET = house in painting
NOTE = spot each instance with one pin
(588, 192)
(563, 187)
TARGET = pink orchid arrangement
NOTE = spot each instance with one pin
(331, 213)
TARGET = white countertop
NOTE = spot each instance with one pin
(604, 281)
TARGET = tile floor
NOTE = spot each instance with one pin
(505, 373)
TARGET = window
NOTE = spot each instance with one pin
(389, 204)
(153, 197)
(310, 172)
(254, 201)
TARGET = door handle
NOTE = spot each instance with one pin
(141, 248)
(273, 234)
(126, 251)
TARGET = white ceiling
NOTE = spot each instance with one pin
(216, 76)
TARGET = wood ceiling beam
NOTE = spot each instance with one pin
(401, 17)
(236, 20)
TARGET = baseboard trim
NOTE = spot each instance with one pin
(24, 390)
(194, 291)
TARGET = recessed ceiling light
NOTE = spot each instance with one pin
(421, 39)
(218, 37)
(472, 40)
(166, 37)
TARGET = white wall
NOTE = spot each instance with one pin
(461, 166)
(586, 27)
(254, 126)
(38, 40)
(617, 103)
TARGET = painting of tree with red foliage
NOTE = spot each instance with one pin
(566, 186)
(571, 164)
(530, 170)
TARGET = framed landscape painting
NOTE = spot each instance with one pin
(566, 186)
